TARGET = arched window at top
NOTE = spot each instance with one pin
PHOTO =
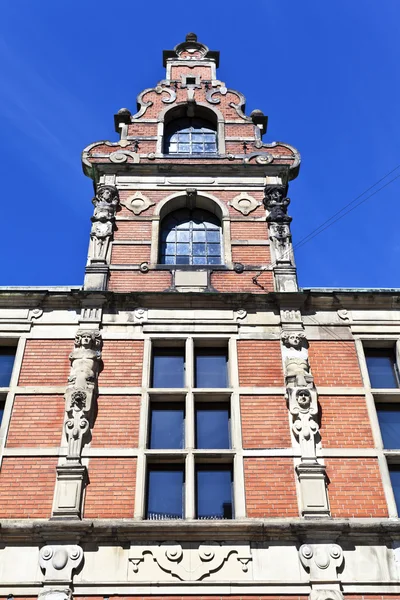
(190, 237)
(190, 136)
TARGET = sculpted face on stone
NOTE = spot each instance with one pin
(304, 399)
(294, 339)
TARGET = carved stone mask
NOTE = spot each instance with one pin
(303, 399)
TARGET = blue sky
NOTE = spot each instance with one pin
(325, 73)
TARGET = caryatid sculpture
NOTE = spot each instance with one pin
(106, 203)
(81, 390)
(300, 392)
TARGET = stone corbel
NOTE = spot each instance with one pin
(58, 563)
(322, 561)
(105, 203)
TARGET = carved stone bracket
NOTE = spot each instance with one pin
(244, 203)
(321, 560)
(59, 562)
(190, 563)
(276, 202)
(137, 203)
(105, 206)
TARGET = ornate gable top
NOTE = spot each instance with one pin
(190, 49)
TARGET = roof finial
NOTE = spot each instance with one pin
(191, 37)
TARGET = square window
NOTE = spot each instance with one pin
(168, 368)
(182, 236)
(394, 471)
(7, 356)
(212, 425)
(382, 370)
(199, 236)
(214, 260)
(167, 425)
(214, 492)
(200, 260)
(213, 237)
(190, 80)
(211, 368)
(182, 260)
(213, 249)
(389, 423)
(199, 249)
(182, 249)
(165, 492)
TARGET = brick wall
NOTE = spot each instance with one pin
(36, 421)
(229, 281)
(270, 487)
(134, 281)
(355, 488)
(260, 363)
(335, 363)
(251, 255)
(265, 422)
(45, 362)
(111, 491)
(123, 363)
(345, 422)
(133, 230)
(249, 230)
(117, 422)
(27, 487)
(130, 254)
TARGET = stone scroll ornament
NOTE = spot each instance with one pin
(105, 206)
(81, 392)
(301, 393)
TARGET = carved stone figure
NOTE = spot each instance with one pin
(304, 409)
(82, 387)
(298, 373)
(294, 339)
(276, 202)
(105, 203)
(281, 239)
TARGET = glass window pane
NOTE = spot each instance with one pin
(199, 249)
(173, 148)
(183, 137)
(182, 236)
(168, 260)
(210, 147)
(209, 137)
(211, 368)
(381, 367)
(166, 425)
(165, 490)
(199, 260)
(199, 236)
(169, 248)
(212, 425)
(168, 368)
(214, 260)
(183, 260)
(2, 404)
(182, 249)
(197, 137)
(214, 249)
(7, 356)
(213, 236)
(394, 471)
(197, 148)
(214, 492)
(184, 148)
(389, 422)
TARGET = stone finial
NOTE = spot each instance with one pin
(191, 37)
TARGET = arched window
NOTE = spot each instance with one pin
(190, 237)
(190, 136)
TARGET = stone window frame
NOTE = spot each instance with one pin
(190, 456)
(201, 200)
(374, 396)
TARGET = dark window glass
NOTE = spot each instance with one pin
(167, 425)
(7, 356)
(165, 492)
(190, 136)
(211, 368)
(190, 237)
(214, 492)
(394, 471)
(389, 422)
(2, 404)
(381, 365)
(212, 425)
(168, 368)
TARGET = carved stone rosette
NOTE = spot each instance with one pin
(302, 399)
(276, 203)
(80, 398)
